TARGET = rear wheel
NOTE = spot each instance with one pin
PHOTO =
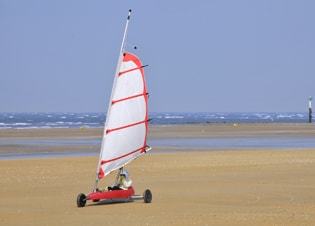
(147, 196)
(81, 200)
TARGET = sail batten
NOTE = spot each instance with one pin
(124, 72)
(125, 155)
(128, 98)
(126, 126)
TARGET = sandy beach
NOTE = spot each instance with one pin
(209, 187)
(208, 104)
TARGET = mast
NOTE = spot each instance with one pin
(122, 49)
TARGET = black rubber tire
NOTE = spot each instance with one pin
(147, 196)
(81, 200)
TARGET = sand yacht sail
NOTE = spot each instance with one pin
(126, 125)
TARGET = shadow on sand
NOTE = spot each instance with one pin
(110, 202)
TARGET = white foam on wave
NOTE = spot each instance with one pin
(21, 124)
(52, 124)
(6, 127)
(259, 115)
(284, 116)
(43, 127)
(29, 127)
(173, 117)
(74, 123)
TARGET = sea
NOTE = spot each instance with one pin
(20, 121)
(94, 120)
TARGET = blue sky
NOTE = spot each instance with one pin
(209, 56)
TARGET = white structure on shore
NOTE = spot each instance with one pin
(310, 109)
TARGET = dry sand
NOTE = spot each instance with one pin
(265, 187)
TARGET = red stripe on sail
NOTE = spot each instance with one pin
(134, 58)
(125, 155)
(126, 126)
(133, 69)
(128, 98)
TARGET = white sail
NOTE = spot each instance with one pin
(127, 122)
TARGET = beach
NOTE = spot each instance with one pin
(267, 186)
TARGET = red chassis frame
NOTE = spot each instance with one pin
(112, 194)
(128, 194)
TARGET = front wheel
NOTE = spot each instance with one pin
(81, 200)
(147, 196)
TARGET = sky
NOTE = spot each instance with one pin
(203, 55)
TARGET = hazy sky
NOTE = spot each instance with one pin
(211, 55)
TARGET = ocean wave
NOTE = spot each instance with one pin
(96, 120)
(15, 124)
(74, 123)
(6, 127)
(284, 116)
(174, 117)
(30, 127)
(21, 124)
(43, 127)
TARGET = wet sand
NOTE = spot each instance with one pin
(265, 187)
(9, 138)
(175, 131)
